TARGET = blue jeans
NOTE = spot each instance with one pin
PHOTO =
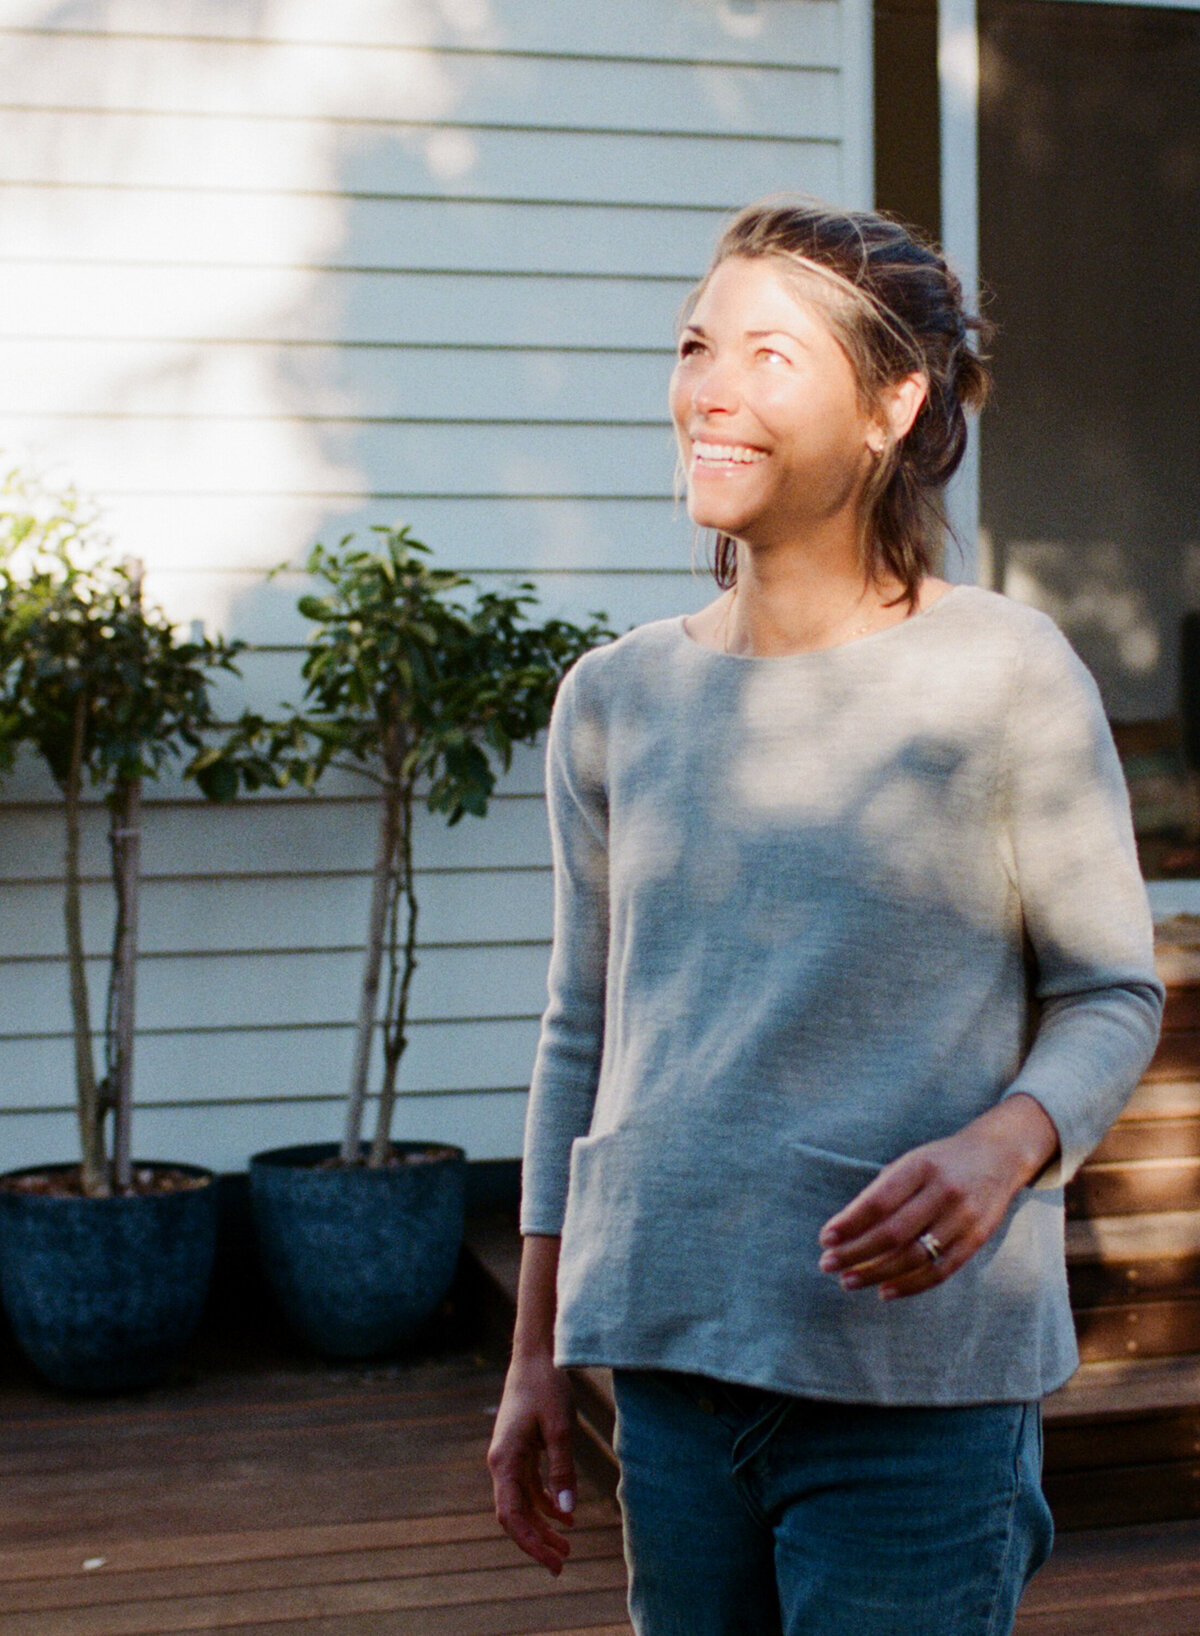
(749, 1513)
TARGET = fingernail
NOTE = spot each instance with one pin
(828, 1262)
(566, 1500)
(851, 1280)
(828, 1236)
(888, 1292)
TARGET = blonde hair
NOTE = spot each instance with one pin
(896, 309)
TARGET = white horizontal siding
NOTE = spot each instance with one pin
(238, 538)
(735, 31)
(223, 1132)
(60, 299)
(103, 379)
(284, 988)
(248, 914)
(187, 1068)
(168, 456)
(115, 227)
(271, 274)
(402, 159)
(299, 836)
(288, 79)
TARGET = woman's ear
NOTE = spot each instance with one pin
(900, 404)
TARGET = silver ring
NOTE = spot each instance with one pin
(932, 1247)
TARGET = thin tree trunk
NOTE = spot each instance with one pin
(88, 1106)
(125, 844)
(389, 831)
(400, 975)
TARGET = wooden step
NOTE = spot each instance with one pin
(1177, 1056)
(1122, 1443)
(1115, 1259)
(1161, 1120)
(1149, 1139)
(1177, 952)
(1133, 1186)
(1163, 1099)
(1138, 1329)
(1182, 1009)
(1135, 1285)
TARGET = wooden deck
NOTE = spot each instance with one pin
(273, 1496)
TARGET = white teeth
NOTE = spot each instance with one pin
(738, 453)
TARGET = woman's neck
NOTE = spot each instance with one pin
(795, 604)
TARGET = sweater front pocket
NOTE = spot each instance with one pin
(678, 1251)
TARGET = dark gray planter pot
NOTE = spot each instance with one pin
(358, 1259)
(102, 1293)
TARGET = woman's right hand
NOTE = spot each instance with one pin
(531, 1459)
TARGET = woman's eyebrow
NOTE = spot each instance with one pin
(751, 334)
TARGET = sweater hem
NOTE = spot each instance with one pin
(812, 1389)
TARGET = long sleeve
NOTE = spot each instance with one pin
(1074, 864)
(565, 1073)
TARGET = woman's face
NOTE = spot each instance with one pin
(774, 440)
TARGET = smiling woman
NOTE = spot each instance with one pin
(852, 967)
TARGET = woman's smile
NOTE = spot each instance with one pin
(713, 459)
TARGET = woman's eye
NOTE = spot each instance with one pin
(773, 356)
(688, 348)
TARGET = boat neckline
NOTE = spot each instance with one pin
(907, 624)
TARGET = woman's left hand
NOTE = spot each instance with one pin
(925, 1214)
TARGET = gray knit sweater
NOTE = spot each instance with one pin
(810, 912)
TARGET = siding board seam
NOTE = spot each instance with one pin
(206, 1029)
(325, 1098)
(358, 270)
(270, 951)
(212, 417)
(192, 878)
(288, 342)
(664, 132)
(508, 200)
(484, 53)
(111, 491)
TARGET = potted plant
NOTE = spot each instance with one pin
(426, 697)
(104, 1263)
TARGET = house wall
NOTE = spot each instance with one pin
(271, 271)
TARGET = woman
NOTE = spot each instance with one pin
(852, 967)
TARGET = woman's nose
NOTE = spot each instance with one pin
(717, 389)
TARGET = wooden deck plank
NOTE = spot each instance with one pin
(1143, 1328)
(205, 1499)
(1126, 1386)
(265, 1439)
(1154, 1618)
(92, 1589)
(1163, 1099)
(518, 1618)
(1096, 1581)
(581, 1614)
(198, 1550)
(164, 1615)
